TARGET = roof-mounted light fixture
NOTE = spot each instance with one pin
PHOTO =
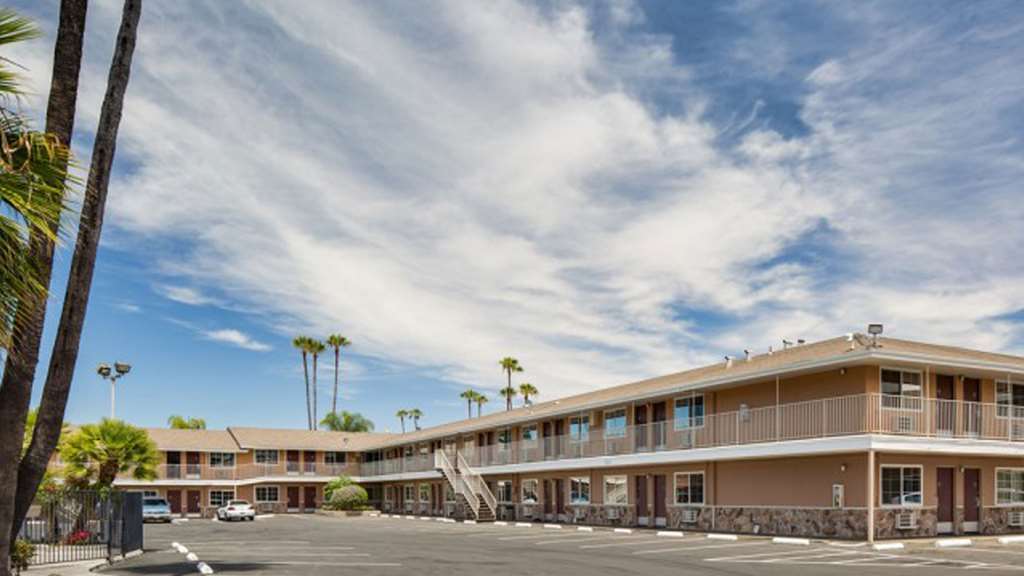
(875, 330)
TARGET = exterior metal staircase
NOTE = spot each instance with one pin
(468, 485)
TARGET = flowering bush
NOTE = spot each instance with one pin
(21, 554)
(78, 537)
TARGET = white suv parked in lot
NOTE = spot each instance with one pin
(236, 510)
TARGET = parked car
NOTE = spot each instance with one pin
(155, 510)
(236, 510)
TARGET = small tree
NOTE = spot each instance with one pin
(349, 497)
(333, 485)
(96, 453)
(181, 423)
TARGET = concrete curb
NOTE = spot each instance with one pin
(954, 543)
(584, 529)
(204, 568)
(889, 546)
(622, 531)
(793, 541)
(501, 523)
(523, 525)
(669, 534)
(191, 557)
(714, 536)
(469, 521)
(1011, 540)
(553, 526)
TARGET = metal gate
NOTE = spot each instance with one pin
(83, 525)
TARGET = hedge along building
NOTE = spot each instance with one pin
(850, 437)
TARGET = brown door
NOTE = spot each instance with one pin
(641, 500)
(293, 497)
(174, 467)
(174, 499)
(944, 485)
(640, 419)
(559, 437)
(192, 464)
(972, 499)
(972, 406)
(945, 407)
(658, 429)
(309, 497)
(659, 500)
(194, 498)
(293, 461)
(547, 498)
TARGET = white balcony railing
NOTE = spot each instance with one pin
(839, 416)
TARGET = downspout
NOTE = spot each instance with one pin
(871, 496)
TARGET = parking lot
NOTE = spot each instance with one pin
(314, 544)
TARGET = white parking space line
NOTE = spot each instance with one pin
(578, 538)
(774, 554)
(541, 536)
(694, 548)
(338, 564)
(632, 542)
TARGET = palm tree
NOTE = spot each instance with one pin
(96, 453)
(416, 414)
(527, 390)
(508, 394)
(401, 415)
(316, 348)
(480, 400)
(181, 423)
(469, 395)
(509, 365)
(336, 341)
(64, 354)
(347, 422)
(301, 343)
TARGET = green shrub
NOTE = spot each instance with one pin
(22, 552)
(335, 484)
(348, 497)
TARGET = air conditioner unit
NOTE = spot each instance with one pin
(1016, 519)
(906, 424)
(1018, 429)
(528, 511)
(614, 513)
(906, 521)
(689, 516)
(579, 514)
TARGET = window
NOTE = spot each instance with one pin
(410, 493)
(1010, 486)
(504, 493)
(838, 496)
(579, 490)
(615, 491)
(266, 493)
(424, 492)
(530, 434)
(220, 498)
(901, 485)
(222, 459)
(690, 488)
(615, 423)
(449, 493)
(689, 412)
(266, 456)
(1010, 399)
(579, 428)
(529, 490)
(901, 389)
(150, 494)
(504, 439)
(334, 457)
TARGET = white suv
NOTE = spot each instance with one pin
(236, 510)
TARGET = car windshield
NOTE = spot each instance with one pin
(154, 502)
(238, 503)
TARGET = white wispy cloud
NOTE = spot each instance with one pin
(129, 307)
(460, 182)
(236, 338)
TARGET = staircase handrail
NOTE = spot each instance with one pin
(441, 461)
(476, 482)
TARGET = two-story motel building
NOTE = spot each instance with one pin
(849, 437)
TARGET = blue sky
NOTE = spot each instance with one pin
(606, 191)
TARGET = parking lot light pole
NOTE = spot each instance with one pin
(120, 370)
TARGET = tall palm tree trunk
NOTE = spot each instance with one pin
(314, 392)
(508, 393)
(334, 397)
(469, 407)
(309, 407)
(60, 372)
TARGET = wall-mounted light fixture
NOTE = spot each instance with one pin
(842, 467)
(842, 371)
